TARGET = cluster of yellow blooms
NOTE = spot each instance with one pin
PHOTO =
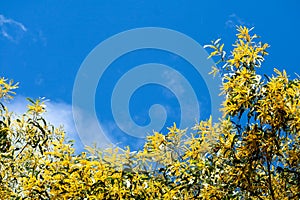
(6, 88)
(253, 152)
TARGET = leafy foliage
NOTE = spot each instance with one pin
(251, 153)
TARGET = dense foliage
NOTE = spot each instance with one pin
(253, 152)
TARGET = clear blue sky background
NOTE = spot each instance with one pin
(44, 43)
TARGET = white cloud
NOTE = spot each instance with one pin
(234, 20)
(11, 29)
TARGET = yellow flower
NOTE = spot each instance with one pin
(244, 33)
(36, 107)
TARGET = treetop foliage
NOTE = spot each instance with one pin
(253, 152)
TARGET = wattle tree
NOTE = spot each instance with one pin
(253, 152)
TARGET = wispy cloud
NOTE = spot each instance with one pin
(235, 20)
(11, 29)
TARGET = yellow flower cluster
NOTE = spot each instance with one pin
(246, 51)
(6, 88)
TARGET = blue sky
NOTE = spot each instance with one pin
(43, 44)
